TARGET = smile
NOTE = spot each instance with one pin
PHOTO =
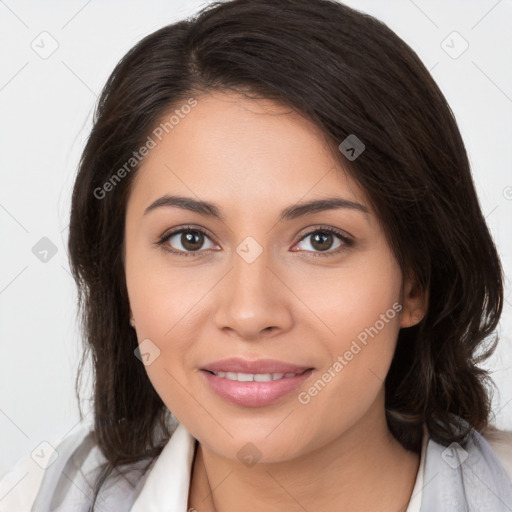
(254, 377)
(255, 389)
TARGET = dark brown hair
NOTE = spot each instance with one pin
(350, 74)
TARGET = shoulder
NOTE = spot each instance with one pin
(501, 443)
(60, 476)
(38, 472)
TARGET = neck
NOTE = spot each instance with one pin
(365, 468)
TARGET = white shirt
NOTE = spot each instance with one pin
(166, 487)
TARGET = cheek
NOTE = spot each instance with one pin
(166, 303)
(356, 301)
(351, 384)
(361, 309)
(163, 296)
(165, 310)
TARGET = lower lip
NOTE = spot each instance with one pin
(254, 394)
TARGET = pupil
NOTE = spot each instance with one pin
(323, 237)
(187, 240)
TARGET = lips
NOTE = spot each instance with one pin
(254, 383)
(239, 365)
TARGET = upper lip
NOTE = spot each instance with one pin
(240, 365)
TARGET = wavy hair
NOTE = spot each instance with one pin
(350, 74)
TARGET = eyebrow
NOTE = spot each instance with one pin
(292, 212)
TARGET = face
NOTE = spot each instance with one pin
(316, 290)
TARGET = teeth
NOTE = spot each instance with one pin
(250, 377)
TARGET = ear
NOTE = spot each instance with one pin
(132, 320)
(415, 303)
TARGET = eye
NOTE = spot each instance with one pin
(190, 239)
(323, 239)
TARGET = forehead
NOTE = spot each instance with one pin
(242, 150)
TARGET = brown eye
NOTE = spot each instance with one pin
(185, 242)
(323, 240)
(191, 240)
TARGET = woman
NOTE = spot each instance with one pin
(286, 280)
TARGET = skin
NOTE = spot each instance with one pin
(253, 158)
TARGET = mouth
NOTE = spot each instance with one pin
(254, 383)
(239, 365)
(255, 377)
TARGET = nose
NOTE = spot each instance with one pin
(252, 300)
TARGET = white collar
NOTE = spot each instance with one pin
(167, 486)
(416, 496)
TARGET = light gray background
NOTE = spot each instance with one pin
(46, 107)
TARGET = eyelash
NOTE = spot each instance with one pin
(348, 242)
